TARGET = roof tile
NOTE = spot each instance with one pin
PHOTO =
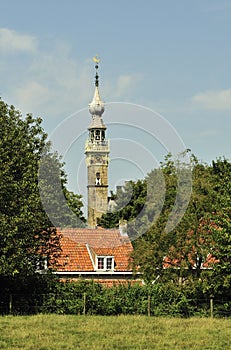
(81, 246)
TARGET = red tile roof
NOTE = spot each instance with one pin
(74, 256)
(100, 238)
(81, 246)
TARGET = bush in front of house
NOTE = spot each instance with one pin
(46, 294)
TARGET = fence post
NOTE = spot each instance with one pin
(149, 305)
(84, 303)
(211, 306)
(10, 304)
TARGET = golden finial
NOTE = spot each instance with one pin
(96, 59)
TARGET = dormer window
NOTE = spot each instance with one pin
(105, 263)
(109, 263)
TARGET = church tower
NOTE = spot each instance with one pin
(97, 158)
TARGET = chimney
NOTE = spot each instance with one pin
(123, 227)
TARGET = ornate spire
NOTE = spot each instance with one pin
(96, 107)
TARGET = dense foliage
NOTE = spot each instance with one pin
(46, 294)
(201, 239)
(27, 234)
(130, 200)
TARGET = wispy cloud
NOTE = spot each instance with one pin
(124, 88)
(126, 83)
(52, 82)
(11, 41)
(209, 133)
(31, 94)
(214, 100)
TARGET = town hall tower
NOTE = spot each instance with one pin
(97, 159)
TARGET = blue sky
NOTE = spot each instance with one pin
(170, 56)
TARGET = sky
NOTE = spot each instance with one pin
(164, 75)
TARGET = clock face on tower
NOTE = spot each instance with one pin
(99, 159)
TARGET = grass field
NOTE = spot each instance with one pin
(54, 332)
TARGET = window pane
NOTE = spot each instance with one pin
(109, 263)
(97, 133)
(100, 263)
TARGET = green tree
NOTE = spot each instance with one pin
(153, 244)
(186, 245)
(219, 226)
(26, 233)
(62, 206)
(203, 233)
(221, 169)
(129, 200)
(192, 242)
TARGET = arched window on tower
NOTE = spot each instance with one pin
(98, 180)
(97, 135)
(92, 135)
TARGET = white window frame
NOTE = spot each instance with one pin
(105, 258)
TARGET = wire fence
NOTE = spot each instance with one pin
(90, 304)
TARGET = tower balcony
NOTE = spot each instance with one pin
(97, 146)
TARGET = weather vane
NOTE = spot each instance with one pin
(96, 60)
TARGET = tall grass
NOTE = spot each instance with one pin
(56, 332)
